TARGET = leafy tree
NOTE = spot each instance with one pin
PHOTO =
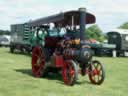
(4, 32)
(124, 26)
(94, 32)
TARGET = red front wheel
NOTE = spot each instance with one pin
(96, 73)
(69, 72)
(38, 61)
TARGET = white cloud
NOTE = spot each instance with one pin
(109, 13)
(108, 6)
(18, 11)
(13, 10)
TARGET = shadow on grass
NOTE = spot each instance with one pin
(24, 71)
(51, 76)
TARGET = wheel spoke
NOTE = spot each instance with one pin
(71, 71)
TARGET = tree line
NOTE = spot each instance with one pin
(124, 26)
(4, 32)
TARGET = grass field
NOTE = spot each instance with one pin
(16, 79)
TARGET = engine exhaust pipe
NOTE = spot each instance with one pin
(82, 24)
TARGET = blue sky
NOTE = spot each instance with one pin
(109, 13)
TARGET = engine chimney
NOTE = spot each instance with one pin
(82, 24)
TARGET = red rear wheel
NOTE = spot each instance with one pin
(69, 72)
(38, 61)
(96, 72)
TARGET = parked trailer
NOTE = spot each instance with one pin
(23, 38)
(119, 37)
(117, 44)
(102, 49)
(20, 37)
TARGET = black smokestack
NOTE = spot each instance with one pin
(82, 24)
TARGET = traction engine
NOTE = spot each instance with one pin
(69, 56)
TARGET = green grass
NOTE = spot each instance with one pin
(16, 79)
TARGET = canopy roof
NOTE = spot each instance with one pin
(63, 19)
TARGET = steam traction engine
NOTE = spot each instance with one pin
(69, 54)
